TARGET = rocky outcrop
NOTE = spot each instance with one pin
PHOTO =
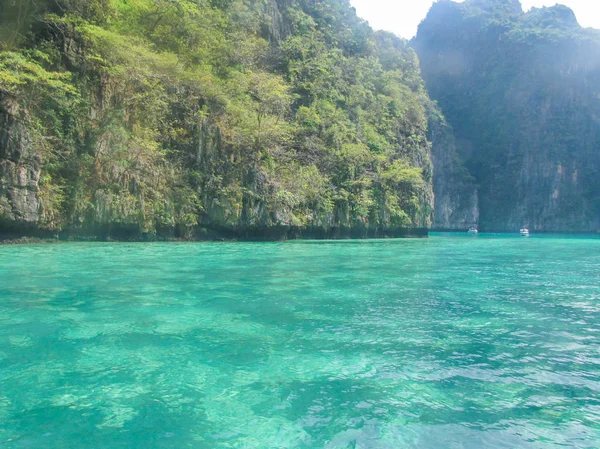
(20, 204)
(520, 91)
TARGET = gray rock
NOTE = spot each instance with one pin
(19, 167)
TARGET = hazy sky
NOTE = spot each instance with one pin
(403, 16)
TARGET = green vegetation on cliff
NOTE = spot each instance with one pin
(164, 115)
(521, 91)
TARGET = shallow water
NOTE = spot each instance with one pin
(447, 342)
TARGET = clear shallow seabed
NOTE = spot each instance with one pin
(447, 342)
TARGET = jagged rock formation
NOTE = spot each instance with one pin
(522, 94)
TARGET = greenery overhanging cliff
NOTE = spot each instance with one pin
(522, 94)
(162, 117)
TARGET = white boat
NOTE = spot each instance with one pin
(524, 232)
(473, 230)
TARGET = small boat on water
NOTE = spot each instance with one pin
(524, 232)
(473, 230)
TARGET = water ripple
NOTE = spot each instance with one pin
(439, 343)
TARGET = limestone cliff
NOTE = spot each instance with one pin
(522, 94)
(456, 194)
(20, 203)
(234, 118)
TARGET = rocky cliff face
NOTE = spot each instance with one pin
(456, 194)
(20, 203)
(234, 118)
(522, 94)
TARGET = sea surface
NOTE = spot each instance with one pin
(467, 342)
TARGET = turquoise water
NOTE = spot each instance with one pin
(448, 342)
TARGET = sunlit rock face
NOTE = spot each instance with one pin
(19, 167)
(522, 94)
(239, 118)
